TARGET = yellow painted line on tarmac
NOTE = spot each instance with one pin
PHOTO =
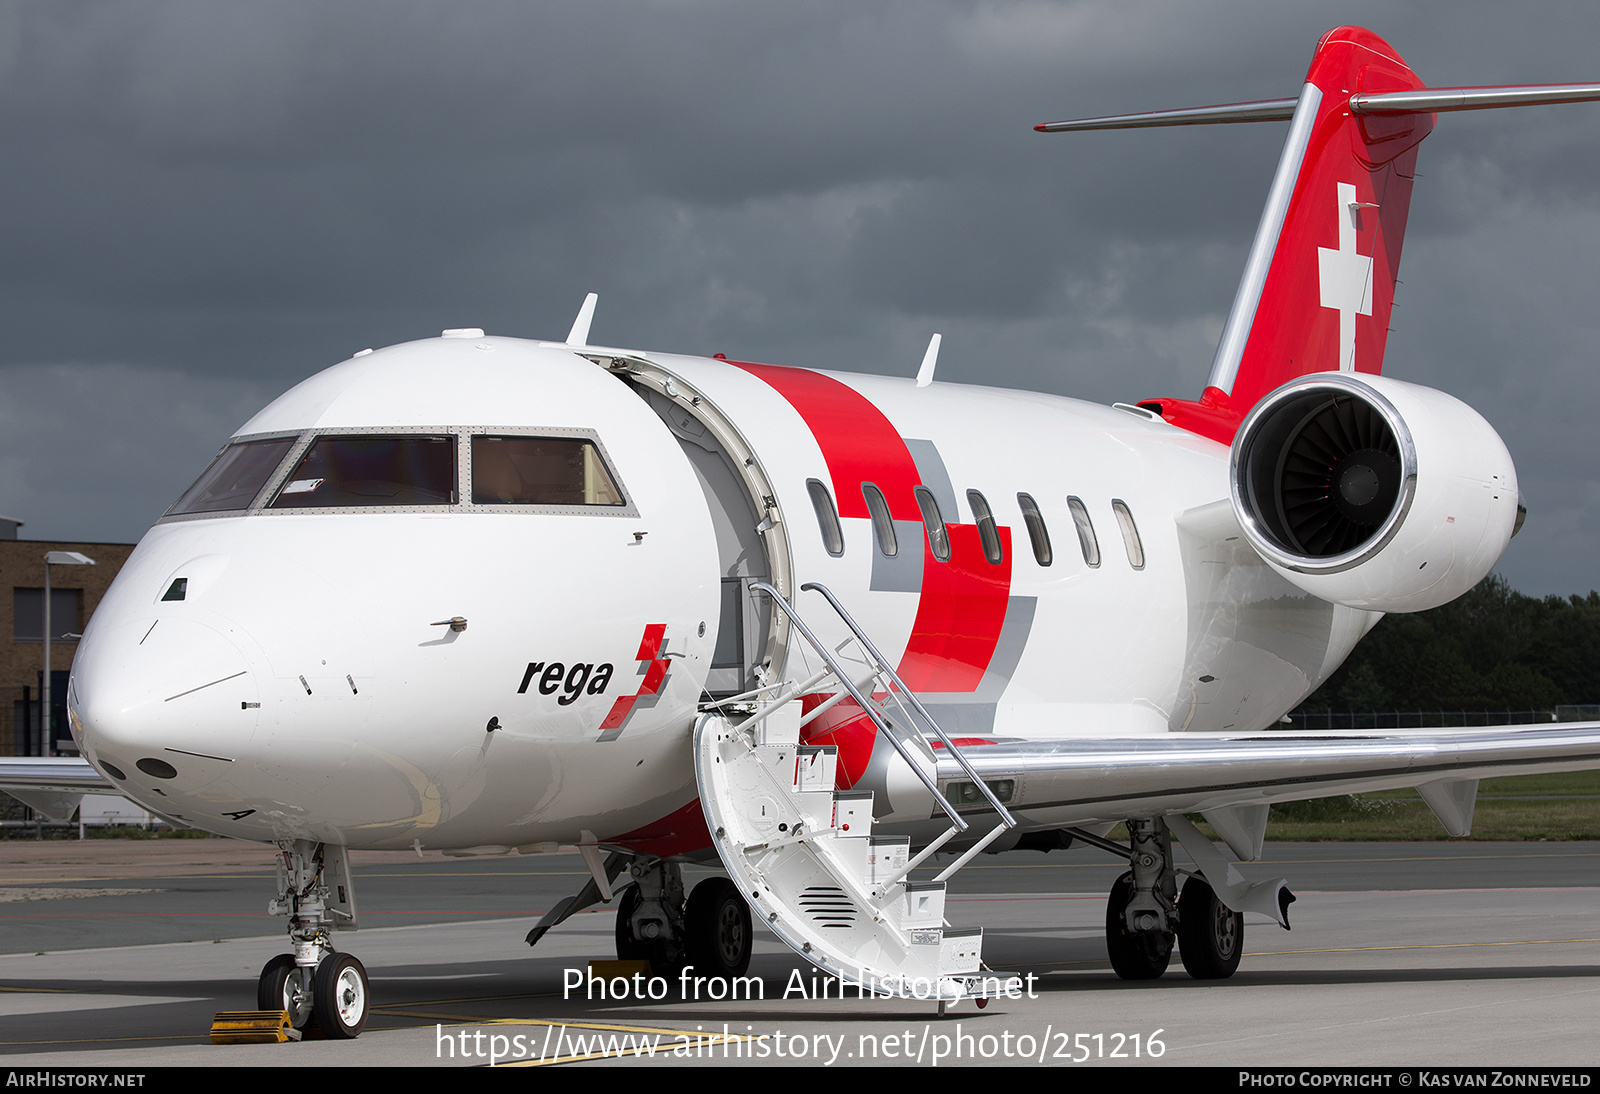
(699, 1040)
(1426, 946)
(1341, 949)
(474, 999)
(103, 1040)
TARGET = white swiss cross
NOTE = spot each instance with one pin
(1346, 277)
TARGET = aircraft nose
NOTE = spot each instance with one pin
(164, 703)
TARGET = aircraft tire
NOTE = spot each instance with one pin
(282, 988)
(1135, 955)
(1210, 934)
(341, 996)
(717, 922)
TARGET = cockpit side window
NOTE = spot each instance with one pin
(522, 470)
(234, 478)
(351, 470)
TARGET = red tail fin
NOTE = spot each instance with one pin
(1325, 304)
(1319, 284)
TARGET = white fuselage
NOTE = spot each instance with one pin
(308, 684)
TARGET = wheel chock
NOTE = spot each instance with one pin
(252, 1027)
(611, 970)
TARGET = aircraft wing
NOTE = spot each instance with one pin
(53, 785)
(1110, 779)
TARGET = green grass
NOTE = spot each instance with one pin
(1565, 807)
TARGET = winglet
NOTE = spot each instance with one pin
(929, 361)
(579, 334)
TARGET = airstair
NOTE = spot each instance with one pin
(803, 853)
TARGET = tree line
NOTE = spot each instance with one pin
(1492, 649)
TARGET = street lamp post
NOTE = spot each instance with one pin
(53, 558)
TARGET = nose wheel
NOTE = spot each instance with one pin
(340, 996)
(287, 987)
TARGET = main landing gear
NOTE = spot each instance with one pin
(711, 931)
(315, 984)
(1146, 913)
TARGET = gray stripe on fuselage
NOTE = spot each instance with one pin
(931, 470)
(973, 712)
(903, 572)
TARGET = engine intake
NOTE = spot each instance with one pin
(1371, 492)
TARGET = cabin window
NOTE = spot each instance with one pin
(345, 470)
(1130, 533)
(234, 478)
(523, 470)
(1037, 532)
(988, 534)
(827, 517)
(938, 538)
(882, 523)
(1086, 536)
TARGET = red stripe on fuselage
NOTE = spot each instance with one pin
(959, 617)
(963, 601)
(859, 443)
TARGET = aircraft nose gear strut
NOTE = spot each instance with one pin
(315, 983)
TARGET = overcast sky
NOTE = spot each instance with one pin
(201, 204)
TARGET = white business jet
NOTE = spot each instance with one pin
(478, 594)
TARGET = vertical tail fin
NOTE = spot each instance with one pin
(1319, 283)
(1317, 291)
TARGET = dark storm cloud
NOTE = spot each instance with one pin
(203, 203)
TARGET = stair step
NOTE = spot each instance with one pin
(804, 854)
(921, 904)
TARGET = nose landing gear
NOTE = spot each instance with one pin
(316, 985)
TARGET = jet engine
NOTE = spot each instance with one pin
(1373, 493)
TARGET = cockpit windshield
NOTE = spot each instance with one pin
(497, 470)
(345, 470)
(540, 471)
(234, 478)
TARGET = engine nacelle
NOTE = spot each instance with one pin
(1373, 493)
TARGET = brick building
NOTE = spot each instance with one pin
(75, 591)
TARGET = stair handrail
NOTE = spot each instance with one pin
(867, 707)
(883, 664)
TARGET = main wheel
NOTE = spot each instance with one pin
(284, 986)
(1210, 934)
(1135, 955)
(717, 921)
(341, 996)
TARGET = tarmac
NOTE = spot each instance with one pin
(116, 954)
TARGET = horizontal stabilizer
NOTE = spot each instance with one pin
(1266, 110)
(1424, 101)
(1318, 285)
(1434, 99)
